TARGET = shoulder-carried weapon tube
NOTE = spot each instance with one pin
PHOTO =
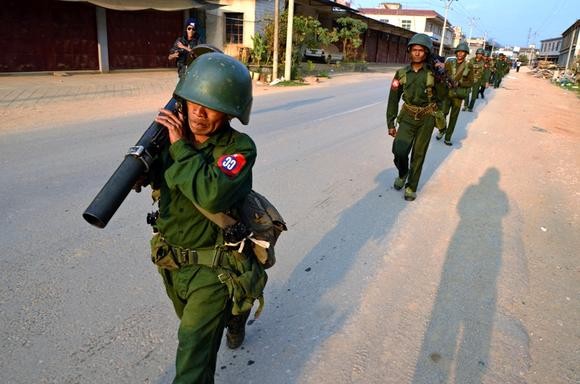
(136, 163)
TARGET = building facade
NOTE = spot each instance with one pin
(550, 49)
(570, 46)
(103, 35)
(416, 20)
(382, 43)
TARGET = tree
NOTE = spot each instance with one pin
(307, 33)
(350, 33)
(523, 58)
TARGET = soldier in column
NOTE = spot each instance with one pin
(415, 84)
(460, 72)
(478, 64)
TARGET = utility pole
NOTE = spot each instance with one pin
(484, 39)
(570, 50)
(447, 5)
(276, 30)
(289, 33)
(472, 21)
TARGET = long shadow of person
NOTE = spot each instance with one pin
(323, 289)
(457, 341)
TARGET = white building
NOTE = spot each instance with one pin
(416, 20)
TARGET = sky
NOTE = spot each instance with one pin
(509, 22)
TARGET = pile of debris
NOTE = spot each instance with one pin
(543, 73)
(559, 76)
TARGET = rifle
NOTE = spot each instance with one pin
(441, 75)
(135, 164)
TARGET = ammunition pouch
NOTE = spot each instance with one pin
(440, 120)
(419, 112)
(171, 258)
(243, 275)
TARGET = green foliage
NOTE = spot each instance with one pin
(290, 83)
(260, 51)
(350, 33)
(307, 32)
(524, 59)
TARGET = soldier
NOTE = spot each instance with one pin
(502, 68)
(487, 73)
(478, 64)
(461, 73)
(183, 46)
(415, 83)
(206, 167)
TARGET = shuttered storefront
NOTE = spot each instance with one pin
(141, 39)
(40, 35)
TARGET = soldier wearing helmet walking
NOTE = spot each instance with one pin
(206, 166)
(479, 79)
(415, 83)
(461, 73)
(502, 68)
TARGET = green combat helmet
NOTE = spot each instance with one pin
(219, 82)
(462, 47)
(421, 39)
(479, 50)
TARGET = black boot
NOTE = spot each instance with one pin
(236, 330)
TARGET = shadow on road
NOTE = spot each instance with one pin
(456, 344)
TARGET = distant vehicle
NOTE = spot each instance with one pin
(326, 54)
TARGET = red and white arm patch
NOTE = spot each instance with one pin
(395, 84)
(231, 165)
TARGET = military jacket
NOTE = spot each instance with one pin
(478, 69)
(502, 67)
(414, 90)
(487, 70)
(183, 54)
(217, 175)
(462, 73)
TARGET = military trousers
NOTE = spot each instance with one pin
(202, 304)
(472, 96)
(497, 80)
(451, 107)
(413, 136)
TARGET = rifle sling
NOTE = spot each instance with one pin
(220, 219)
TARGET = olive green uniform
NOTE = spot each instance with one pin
(184, 174)
(502, 68)
(462, 74)
(487, 75)
(415, 129)
(479, 81)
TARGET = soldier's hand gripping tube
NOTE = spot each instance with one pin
(136, 163)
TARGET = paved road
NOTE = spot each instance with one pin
(476, 281)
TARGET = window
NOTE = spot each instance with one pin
(384, 21)
(234, 28)
(406, 24)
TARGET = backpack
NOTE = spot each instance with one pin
(261, 218)
(266, 224)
